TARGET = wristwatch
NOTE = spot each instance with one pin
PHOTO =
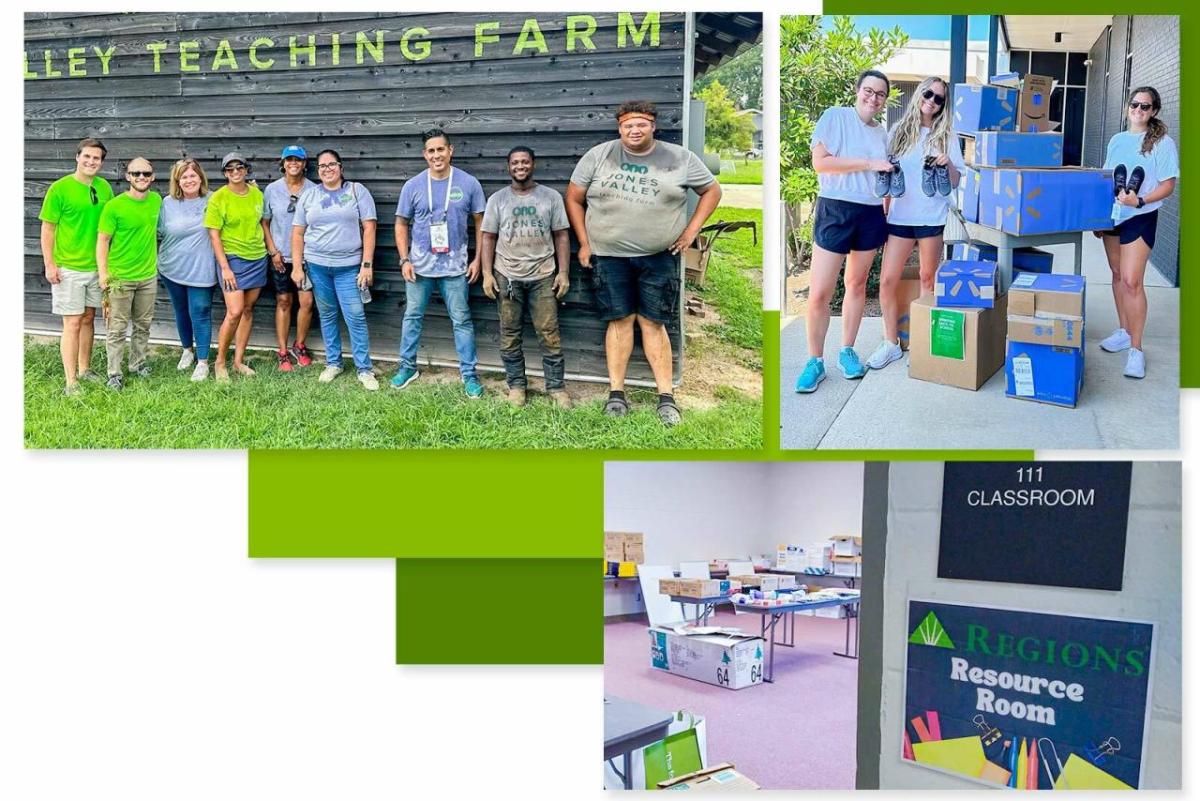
(366, 265)
(1141, 202)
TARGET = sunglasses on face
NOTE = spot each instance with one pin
(1143, 106)
(234, 168)
(141, 173)
(929, 94)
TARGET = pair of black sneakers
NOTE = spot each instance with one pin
(1124, 180)
(935, 179)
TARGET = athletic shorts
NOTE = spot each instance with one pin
(915, 231)
(1139, 226)
(842, 226)
(282, 282)
(75, 290)
(643, 285)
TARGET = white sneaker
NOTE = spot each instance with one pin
(1117, 341)
(1135, 364)
(201, 371)
(186, 360)
(885, 354)
(368, 380)
(330, 372)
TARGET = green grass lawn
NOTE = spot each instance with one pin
(734, 282)
(745, 172)
(278, 410)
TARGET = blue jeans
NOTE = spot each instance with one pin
(335, 287)
(193, 315)
(454, 291)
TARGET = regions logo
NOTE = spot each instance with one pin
(931, 632)
(456, 194)
(640, 169)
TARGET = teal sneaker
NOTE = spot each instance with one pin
(404, 376)
(473, 388)
(814, 373)
(851, 366)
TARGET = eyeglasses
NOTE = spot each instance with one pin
(95, 197)
(141, 173)
(929, 94)
(329, 165)
(234, 168)
(1143, 106)
(872, 93)
(292, 205)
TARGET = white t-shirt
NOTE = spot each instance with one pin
(1160, 164)
(914, 207)
(844, 134)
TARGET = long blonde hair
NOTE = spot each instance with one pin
(178, 169)
(907, 132)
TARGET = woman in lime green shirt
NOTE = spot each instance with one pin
(234, 219)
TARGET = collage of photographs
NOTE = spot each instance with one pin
(867, 328)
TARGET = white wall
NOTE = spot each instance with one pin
(812, 501)
(1152, 591)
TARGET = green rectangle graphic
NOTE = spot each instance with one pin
(946, 333)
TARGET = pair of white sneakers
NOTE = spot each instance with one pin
(188, 359)
(1135, 362)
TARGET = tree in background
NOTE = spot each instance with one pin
(741, 75)
(817, 70)
(724, 128)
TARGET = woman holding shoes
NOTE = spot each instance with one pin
(1145, 165)
(931, 162)
(849, 151)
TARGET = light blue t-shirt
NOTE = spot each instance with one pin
(276, 199)
(466, 198)
(185, 252)
(1160, 164)
(332, 236)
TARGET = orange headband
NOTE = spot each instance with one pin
(634, 115)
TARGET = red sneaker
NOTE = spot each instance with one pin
(285, 364)
(300, 353)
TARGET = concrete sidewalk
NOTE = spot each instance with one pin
(888, 410)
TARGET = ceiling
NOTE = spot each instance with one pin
(722, 36)
(1036, 31)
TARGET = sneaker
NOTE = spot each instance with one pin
(1135, 364)
(1119, 174)
(941, 175)
(141, 371)
(472, 387)
(186, 359)
(928, 179)
(368, 380)
(885, 354)
(71, 389)
(1117, 341)
(897, 188)
(1135, 179)
(814, 373)
(516, 396)
(115, 382)
(330, 372)
(299, 352)
(883, 184)
(404, 376)
(285, 362)
(201, 371)
(851, 367)
(561, 399)
(90, 375)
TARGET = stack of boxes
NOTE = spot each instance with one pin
(847, 555)
(1045, 338)
(958, 334)
(698, 588)
(623, 552)
(767, 581)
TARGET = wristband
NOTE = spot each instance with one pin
(1141, 202)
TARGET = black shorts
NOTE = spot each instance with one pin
(915, 231)
(643, 285)
(1140, 226)
(842, 226)
(282, 281)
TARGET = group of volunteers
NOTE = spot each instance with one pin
(894, 189)
(315, 241)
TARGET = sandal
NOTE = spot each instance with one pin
(669, 413)
(616, 407)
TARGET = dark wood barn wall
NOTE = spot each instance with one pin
(560, 103)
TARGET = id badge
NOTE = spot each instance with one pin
(439, 237)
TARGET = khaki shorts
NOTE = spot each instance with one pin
(75, 290)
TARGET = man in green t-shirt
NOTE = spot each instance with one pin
(70, 215)
(127, 257)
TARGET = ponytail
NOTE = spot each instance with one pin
(1156, 129)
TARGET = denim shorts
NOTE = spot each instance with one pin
(842, 226)
(644, 285)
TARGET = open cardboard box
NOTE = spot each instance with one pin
(695, 258)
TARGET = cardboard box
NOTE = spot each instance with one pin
(1044, 373)
(984, 108)
(726, 660)
(1012, 149)
(846, 545)
(965, 351)
(668, 586)
(1033, 295)
(968, 190)
(767, 581)
(848, 568)
(1033, 108)
(718, 777)
(614, 546)
(1030, 260)
(706, 588)
(1045, 201)
(790, 557)
(1061, 332)
(974, 284)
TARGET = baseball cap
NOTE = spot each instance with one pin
(234, 156)
(293, 150)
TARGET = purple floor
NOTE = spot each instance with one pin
(798, 733)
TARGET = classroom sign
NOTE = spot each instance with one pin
(1026, 700)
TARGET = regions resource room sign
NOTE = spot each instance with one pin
(1024, 699)
(1061, 524)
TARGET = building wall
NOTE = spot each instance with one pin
(560, 102)
(1152, 591)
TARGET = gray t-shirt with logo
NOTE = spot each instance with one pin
(637, 204)
(523, 224)
(185, 252)
(332, 237)
(276, 199)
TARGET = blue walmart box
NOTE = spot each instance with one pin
(969, 195)
(1027, 260)
(1007, 149)
(967, 283)
(1023, 201)
(984, 108)
(1044, 373)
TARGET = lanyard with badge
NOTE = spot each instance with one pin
(439, 232)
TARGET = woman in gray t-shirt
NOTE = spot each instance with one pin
(187, 264)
